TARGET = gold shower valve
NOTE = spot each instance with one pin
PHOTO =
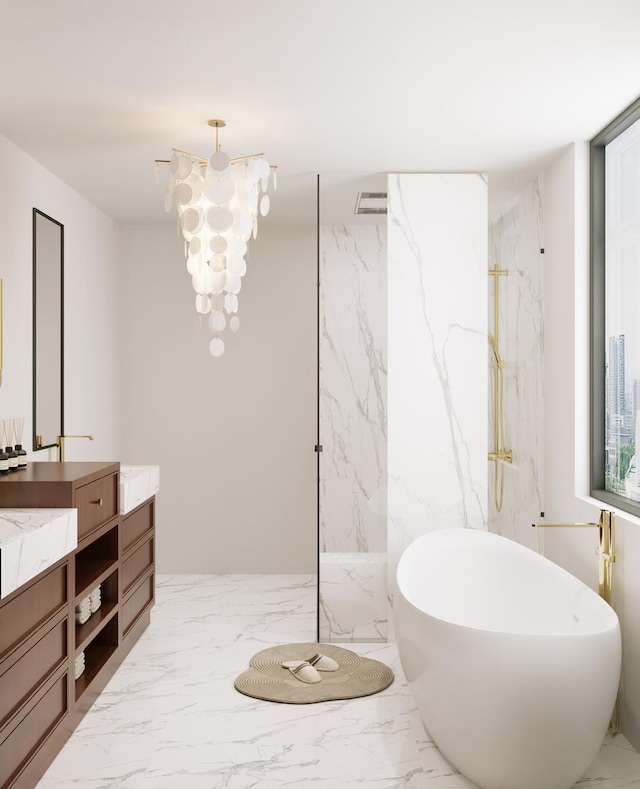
(504, 455)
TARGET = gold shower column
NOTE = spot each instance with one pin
(499, 454)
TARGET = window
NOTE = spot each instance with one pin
(615, 296)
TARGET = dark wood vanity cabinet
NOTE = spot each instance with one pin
(41, 702)
(138, 570)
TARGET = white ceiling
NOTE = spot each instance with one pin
(96, 91)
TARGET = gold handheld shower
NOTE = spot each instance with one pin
(500, 454)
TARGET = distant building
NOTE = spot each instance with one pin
(616, 377)
(618, 430)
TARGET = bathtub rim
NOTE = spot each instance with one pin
(402, 577)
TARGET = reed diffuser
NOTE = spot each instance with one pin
(18, 428)
(13, 455)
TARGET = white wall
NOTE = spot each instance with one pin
(566, 388)
(234, 436)
(91, 306)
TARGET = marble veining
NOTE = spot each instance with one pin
(353, 597)
(515, 242)
(137, 484)
(171, 719)
(437, 340)
(32, 540)
(353, 388)
(353, 430)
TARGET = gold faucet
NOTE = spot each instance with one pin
(606, 548)
(60, 445)
(606, 557)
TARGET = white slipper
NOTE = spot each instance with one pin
(293, 663)
(303, 671)
(323, 663)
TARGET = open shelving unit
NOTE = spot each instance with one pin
(98, 563)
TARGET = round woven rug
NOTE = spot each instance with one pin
(356, 676)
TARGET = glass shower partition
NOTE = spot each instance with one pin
(352, 408)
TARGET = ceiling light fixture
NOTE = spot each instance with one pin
(217, 201)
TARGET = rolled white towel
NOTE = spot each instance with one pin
(83, 616)
(79, 665)
(95, 599)
(84, 604)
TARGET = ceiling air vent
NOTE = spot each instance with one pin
(371, 203)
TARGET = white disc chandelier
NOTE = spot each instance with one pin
(218, 201)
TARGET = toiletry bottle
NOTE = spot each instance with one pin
(4, 458)
(22, 456)
(8, 434)
(13, 458)
(18, 428)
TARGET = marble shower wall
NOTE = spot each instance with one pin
(515, 241)
(353, 430)
(437, 349)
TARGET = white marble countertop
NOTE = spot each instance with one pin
(32, 540)
(137, 484)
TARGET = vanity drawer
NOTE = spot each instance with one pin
(31, 733)
(133, 567)
(30, 671)
(97, 503)
(20, 616)
(136, 604)
(136, 524)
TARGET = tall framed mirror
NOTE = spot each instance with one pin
(48, 330)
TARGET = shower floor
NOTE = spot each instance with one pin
(170, 717)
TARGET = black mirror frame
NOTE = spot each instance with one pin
(36, 447)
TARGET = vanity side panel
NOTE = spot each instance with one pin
(137, 523)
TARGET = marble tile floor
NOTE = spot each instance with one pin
(171, 719)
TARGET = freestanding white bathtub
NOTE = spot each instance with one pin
(514, 663)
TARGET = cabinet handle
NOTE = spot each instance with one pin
(97, 501)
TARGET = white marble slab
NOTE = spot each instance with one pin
(437, 352)
(353, 597)
(353, 388)
(353, 430)
(32, 540)
(137, 484)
